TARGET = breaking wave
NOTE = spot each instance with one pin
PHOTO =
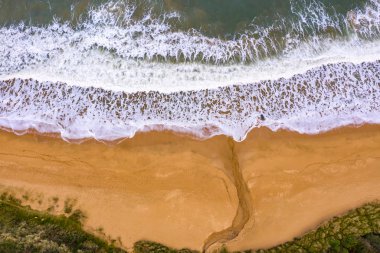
(111, 28)
(318, 100)
(113, 74)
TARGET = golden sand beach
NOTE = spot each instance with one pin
(179, 191)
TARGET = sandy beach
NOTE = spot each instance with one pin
(165, 124)
(178, 191)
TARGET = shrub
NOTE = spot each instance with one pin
(25, 230)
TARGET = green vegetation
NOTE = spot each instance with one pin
(69, 205)
(358, 231)
(153, 247)
(25, 230)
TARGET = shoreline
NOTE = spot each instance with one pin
(306, 103)
(179, 133)
(177, 190)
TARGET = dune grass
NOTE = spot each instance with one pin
(357, 231)
(25, 230)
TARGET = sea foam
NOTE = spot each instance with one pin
(112, 76)
(317, 100)
(112, 50)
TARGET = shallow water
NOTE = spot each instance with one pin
(215, 17)
(205, 67)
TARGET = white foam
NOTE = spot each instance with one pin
(366, 22)
(148, 76)
(103, 70)
(318, 100)
(118, 53)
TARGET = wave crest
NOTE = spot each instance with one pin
(112, 27)
(318, 100)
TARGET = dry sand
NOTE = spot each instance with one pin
(177, 191)
(298, 181)
(156, 186)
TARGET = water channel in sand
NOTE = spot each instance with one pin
(182, 192)
(244, 209)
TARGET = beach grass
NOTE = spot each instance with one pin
(153, 247)
(25, 230)
(357, 231)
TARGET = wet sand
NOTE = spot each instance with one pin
(179, 191)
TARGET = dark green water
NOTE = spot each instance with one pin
(306, 65)
(212, 17)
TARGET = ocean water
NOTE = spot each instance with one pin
(108, 69)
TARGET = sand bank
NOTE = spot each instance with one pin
(178, 191)
(156, 186)
(298, 181)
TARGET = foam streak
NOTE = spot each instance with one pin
(320, 99)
